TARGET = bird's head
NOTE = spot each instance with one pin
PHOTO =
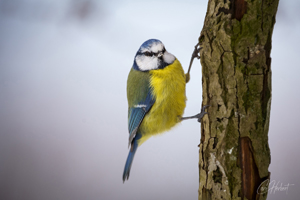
(152, 55)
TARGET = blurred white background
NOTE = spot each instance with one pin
(63, 106)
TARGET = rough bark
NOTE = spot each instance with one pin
(234, 154)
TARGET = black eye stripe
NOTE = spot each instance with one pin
(147, 53)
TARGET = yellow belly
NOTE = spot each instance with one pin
(168, 86)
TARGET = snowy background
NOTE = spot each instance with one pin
(63, 107)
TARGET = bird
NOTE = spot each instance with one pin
(156, 96)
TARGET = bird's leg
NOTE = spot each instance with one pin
(195, 54)
(198, 116)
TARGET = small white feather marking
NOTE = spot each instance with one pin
(140, 106)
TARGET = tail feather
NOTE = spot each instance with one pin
(129, 160)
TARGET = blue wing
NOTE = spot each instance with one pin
(137, 114)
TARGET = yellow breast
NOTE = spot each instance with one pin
(168, 87)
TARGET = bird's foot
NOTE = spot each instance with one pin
(198, 116)
(195, 54)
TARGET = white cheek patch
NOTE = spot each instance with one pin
(146, 63)
(168, 58)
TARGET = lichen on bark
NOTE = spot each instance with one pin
(236, 71)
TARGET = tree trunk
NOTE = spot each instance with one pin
(234, 154)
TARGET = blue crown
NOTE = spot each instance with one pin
(149, 43)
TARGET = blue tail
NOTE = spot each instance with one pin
(130, 157)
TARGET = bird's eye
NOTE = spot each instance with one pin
(164, 50)
(147, 53)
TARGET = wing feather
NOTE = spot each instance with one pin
(137, 114)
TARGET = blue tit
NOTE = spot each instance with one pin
(156, 95)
